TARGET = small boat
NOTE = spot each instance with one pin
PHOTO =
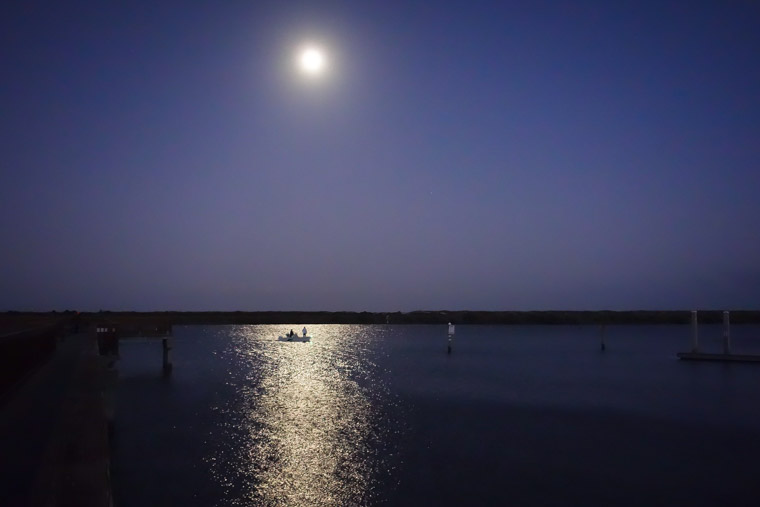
(296, 338)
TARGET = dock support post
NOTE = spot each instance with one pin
(602, 332)
(726, 334)
(694, 332)
(167, 346)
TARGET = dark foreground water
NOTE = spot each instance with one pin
(370, 415)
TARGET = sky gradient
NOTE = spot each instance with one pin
(456, 155)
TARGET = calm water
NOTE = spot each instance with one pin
(371, 415)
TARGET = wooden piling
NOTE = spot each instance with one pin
(726, 334)
(167, 347)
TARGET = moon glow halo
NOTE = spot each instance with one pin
(311, 61)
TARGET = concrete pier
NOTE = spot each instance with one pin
(56, 421)
(110, 336)
(55, 449)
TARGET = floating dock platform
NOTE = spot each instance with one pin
(725, 356)
(734, 358)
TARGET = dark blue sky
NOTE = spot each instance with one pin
(455, 155)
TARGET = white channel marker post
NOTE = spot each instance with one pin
(451, 336)
(726, 333)
(694, 332)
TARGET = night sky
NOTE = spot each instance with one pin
(452, 155)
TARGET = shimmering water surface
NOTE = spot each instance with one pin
(370, 415)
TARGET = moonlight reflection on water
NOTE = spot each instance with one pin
(304, 429)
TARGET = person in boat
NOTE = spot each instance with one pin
(304, 331)
(292, 333)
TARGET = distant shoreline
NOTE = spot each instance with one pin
(20, 319)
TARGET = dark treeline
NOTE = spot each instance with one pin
(84, 319)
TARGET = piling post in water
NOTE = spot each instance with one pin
(167, 346)
(726, 333)
(451, 336)
(602, 332)
(694, 332)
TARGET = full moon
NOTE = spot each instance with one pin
(311, 61)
